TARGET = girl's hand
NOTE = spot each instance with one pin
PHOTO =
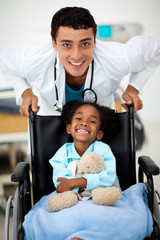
(68, 184)
(64, 185)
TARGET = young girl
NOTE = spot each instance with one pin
(87, 123)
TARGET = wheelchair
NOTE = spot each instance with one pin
(47, 135)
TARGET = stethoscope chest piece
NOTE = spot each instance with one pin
(89, 95)
(58, 106)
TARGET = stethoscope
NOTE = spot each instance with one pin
(88, 94)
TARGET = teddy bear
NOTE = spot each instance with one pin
(90, 163)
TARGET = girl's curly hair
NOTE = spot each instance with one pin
(108, 117)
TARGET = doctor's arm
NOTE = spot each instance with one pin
(13, 71)
(144, 58)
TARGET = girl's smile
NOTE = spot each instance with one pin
(82, 131)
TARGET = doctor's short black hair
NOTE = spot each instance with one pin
(108, 117)
(74, 17)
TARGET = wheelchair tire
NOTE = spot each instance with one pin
(7, 216)
(17, 217)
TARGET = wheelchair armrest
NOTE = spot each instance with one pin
(21, 172)
(22, 177)
(148, 166)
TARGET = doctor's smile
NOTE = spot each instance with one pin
(76, 64)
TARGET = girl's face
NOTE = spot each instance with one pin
(85, 125)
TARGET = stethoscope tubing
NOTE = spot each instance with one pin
(58, 105)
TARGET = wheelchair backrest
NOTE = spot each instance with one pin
(48, 134)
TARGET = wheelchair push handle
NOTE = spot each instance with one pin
(31, 113)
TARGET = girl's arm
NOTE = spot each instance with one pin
(62, 178)
(68, 184)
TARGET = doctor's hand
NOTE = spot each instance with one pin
(28, 99)
(131, 95)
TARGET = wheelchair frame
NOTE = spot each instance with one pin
(21, 202)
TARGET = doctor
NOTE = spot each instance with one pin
(50, 74)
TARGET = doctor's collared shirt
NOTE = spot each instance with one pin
(32, 66)
(67, 153)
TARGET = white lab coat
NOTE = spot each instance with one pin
(32, 66)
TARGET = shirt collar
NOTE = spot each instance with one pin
(59, 66)
(72, 153)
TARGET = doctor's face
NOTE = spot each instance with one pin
(75, 49)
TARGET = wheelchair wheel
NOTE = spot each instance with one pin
(8, 213)
(17, 217)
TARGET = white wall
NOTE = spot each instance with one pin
(22, 22)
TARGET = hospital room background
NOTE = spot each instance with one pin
(23, 22)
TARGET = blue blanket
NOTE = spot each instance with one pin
(128, 219)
